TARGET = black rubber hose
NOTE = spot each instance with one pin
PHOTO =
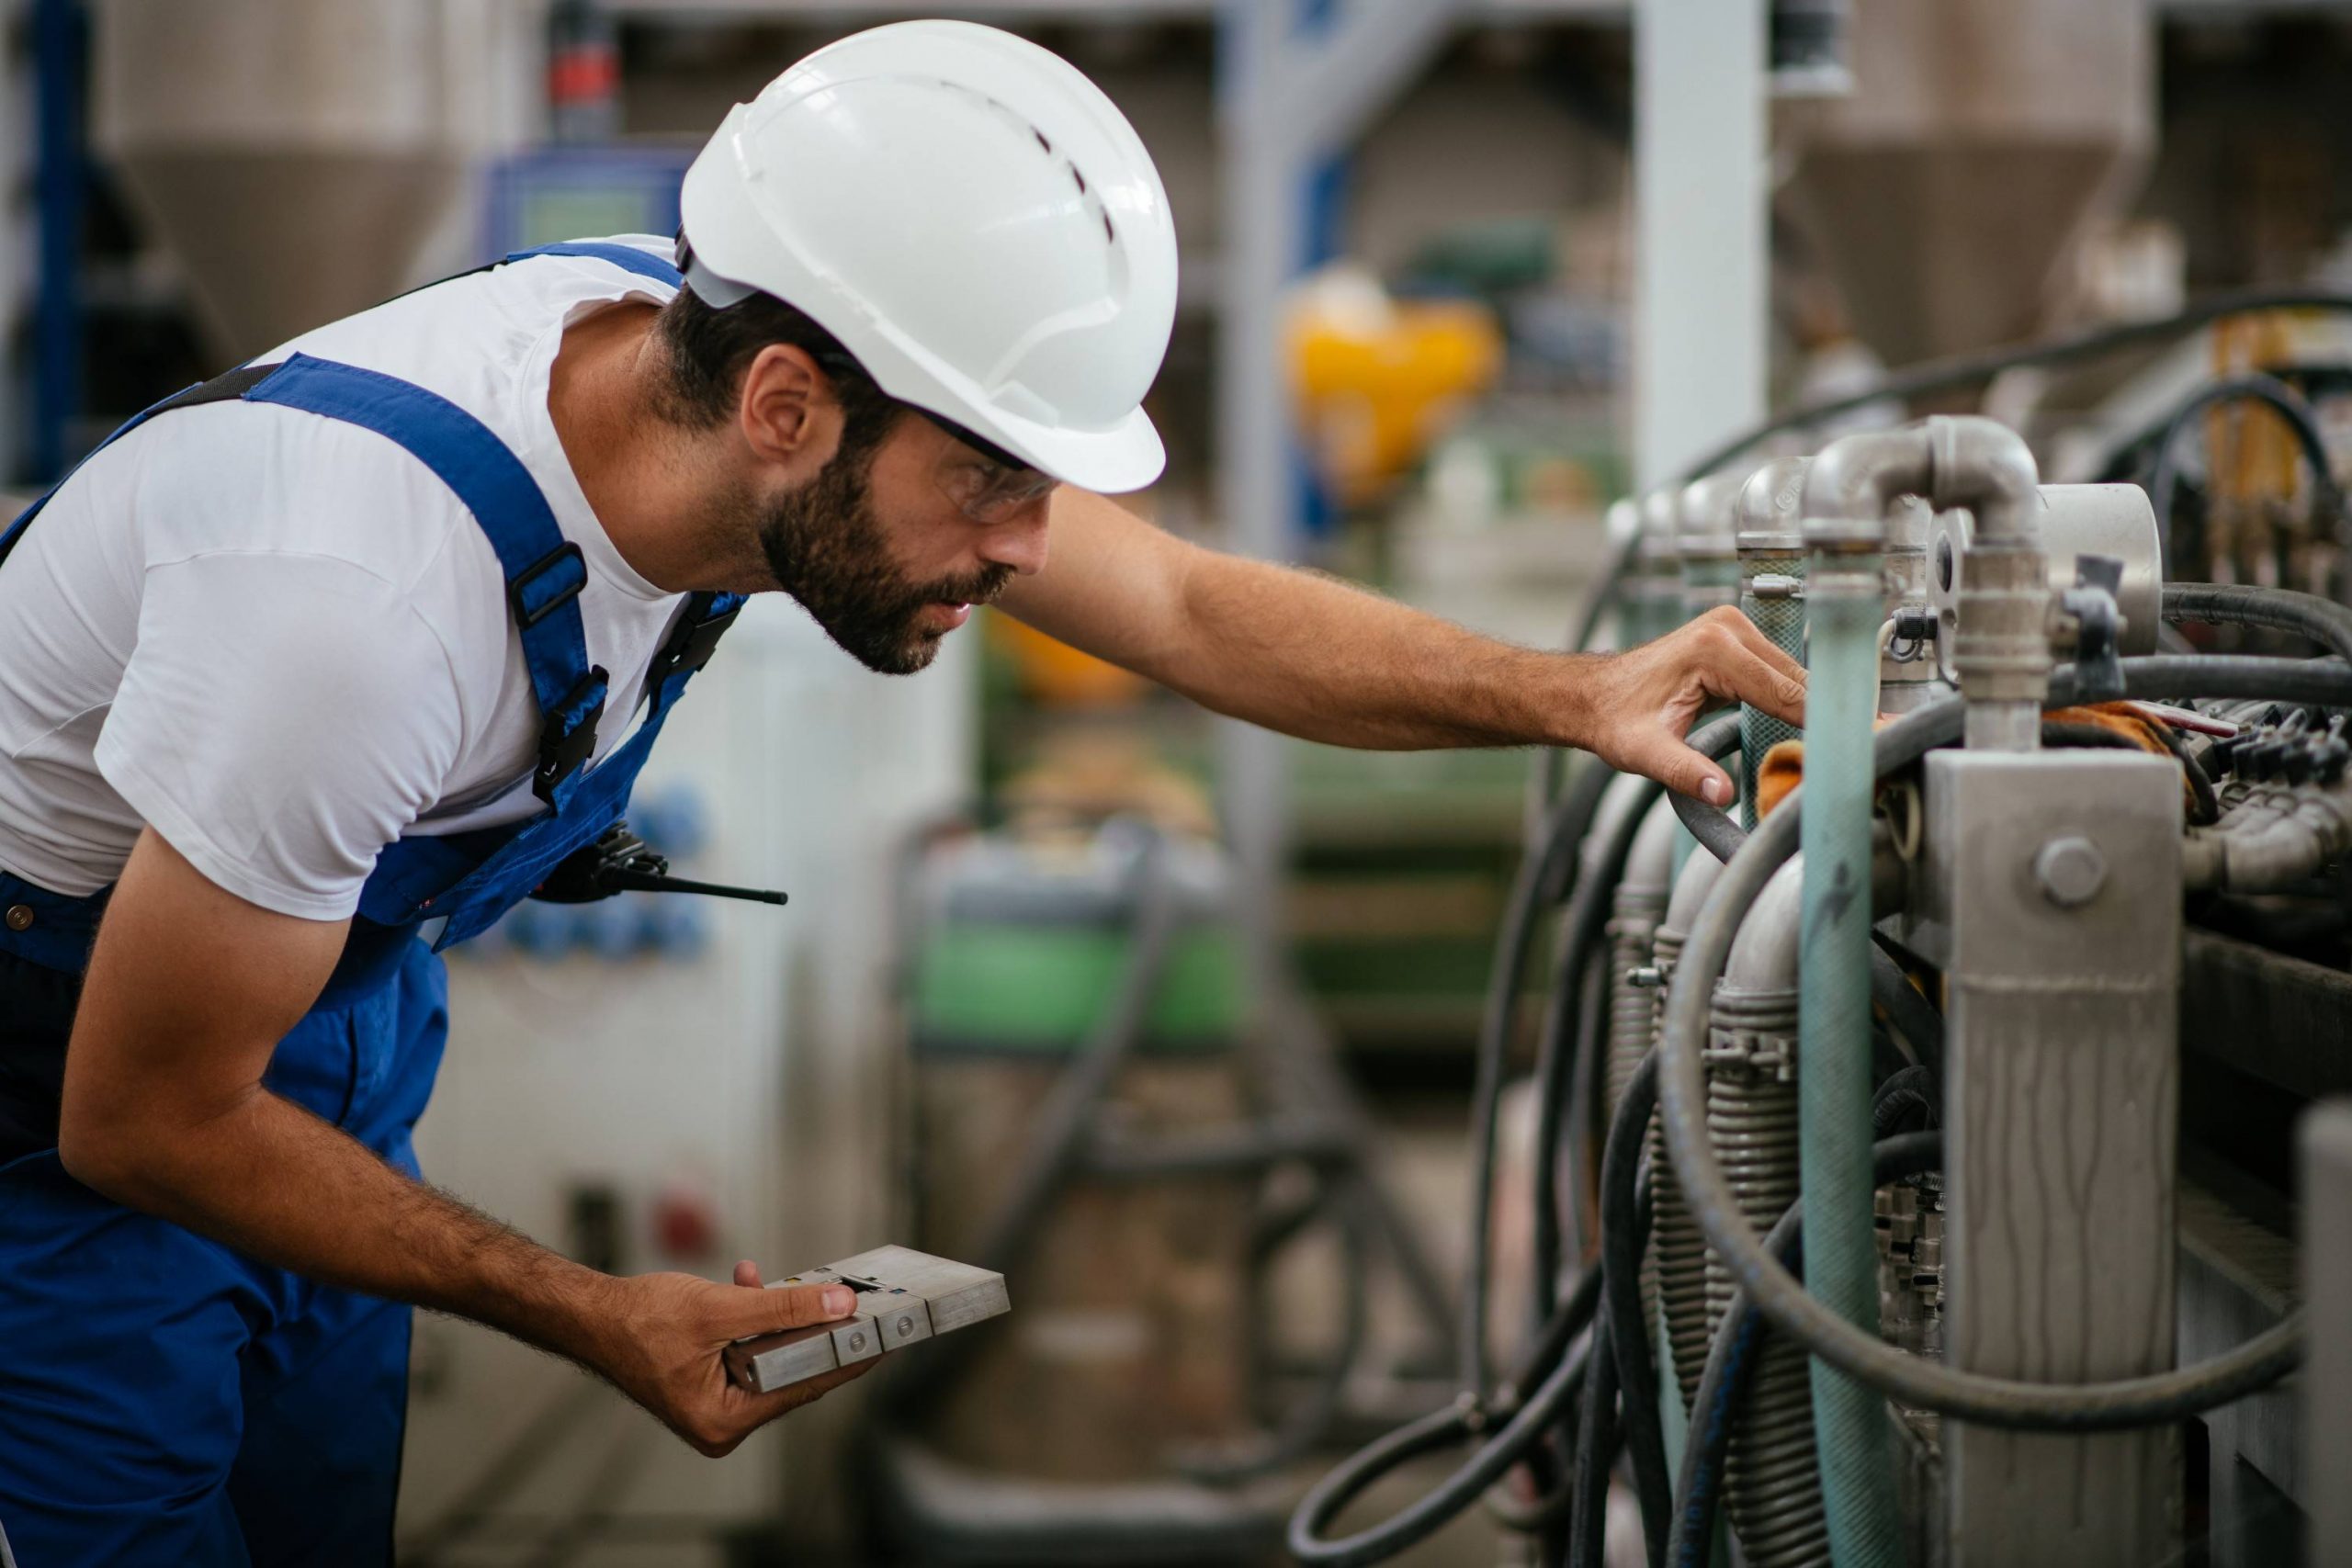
(2165, 484)
(1621, 1240)
(1540, 1408)
(1914, 1090)
(1908, 1012)
(1585, 924)
(1598, 1434)
(2136, 1402)
(1548, 868)
(1731, 1356)
(1962, 370)
(2208, 808)
(1604, 592)
(1966, 369)
(1710, 824)
(2274, 609)
(2058, 733)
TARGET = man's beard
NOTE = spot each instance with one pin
(826, 548)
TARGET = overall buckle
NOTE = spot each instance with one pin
(689, 648)
(529, 613)
(565, 748)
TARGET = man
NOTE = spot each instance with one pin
(351, 640)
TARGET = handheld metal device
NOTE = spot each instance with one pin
(902, 1296)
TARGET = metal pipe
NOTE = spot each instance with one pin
(1771, 1480)
(1640, 901)
(1708, 543)
(1772, 1484)
(2271, 839)
(1848, 493)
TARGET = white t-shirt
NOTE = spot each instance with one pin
(283, 642)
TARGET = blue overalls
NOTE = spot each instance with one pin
(164, 1399)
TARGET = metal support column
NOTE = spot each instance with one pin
(2326, 1208)
(60, 53)
(1703, 227)
(2057, 876)
(1289, 102)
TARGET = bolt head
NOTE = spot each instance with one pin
(906, 1327)
(857, 1341)
(2070, 870)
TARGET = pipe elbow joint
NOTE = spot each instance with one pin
(1985, 466)
(1854, 479)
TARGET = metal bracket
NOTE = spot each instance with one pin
(903, 1296)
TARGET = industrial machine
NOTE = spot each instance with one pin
(1914, 1177)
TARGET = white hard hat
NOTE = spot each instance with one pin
(973, 220)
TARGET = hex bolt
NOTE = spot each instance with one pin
(2070, 870)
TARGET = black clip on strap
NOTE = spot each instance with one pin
(565, 747)
(690, 646)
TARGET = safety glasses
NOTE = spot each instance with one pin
(987, 483)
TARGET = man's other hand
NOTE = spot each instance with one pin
(1644, 701)
(667, 1333)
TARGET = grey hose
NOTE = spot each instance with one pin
(2275, 609)
(1965, 369)
(1541, 876)
(2001, 1402)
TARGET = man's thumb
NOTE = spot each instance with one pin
(1686, 771)
(780, 1307)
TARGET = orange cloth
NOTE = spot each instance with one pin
(1782, 768)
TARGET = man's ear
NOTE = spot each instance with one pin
(786, 413)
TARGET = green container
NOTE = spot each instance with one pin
(1041, 988)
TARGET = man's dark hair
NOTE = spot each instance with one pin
(709, 349)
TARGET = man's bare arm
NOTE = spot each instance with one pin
(1316, 658)
(188, 991)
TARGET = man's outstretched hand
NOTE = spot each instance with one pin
(1643, 702)
(667, 1335)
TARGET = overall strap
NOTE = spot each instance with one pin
(545, 571)
(222, 388)
(234, 384)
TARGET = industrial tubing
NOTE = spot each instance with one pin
(1772, 1481)
(1966, 369)
(1537, 1409)
(2274, 609)
(2282, 399)
(1626, 804)
(1623, 1241)
(1730, 1359)
(2134, 1402)
(1542, 875)
(1847, 491)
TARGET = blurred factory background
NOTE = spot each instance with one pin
(1457, 275)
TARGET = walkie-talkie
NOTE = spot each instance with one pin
(620, 861)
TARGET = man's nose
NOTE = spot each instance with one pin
(1019, 541)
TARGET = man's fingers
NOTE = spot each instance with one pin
(747, 1274)
(1751, 637)
(764, 1408)
(1759, 683)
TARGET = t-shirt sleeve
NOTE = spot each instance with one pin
(281, 719)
